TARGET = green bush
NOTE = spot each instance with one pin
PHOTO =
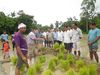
(70, 58)
(55, 59)
(38, 66)
(51, 65)
(80, 63)
(14, 59)
(31, 71)
(62, 47)
(56, 46)
(22, 69)
(84, 71)
(64, 64)
(42, 59)
(70, 72)
(92, 69)
(47, 72)
(61, 55)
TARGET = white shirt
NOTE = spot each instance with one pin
(71, 33)
(44, 34)
(30, 38)
(76, 34)
(60, 36)
(66, 36)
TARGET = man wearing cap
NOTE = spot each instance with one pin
(21, 47)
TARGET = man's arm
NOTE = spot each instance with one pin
(80, 34)
(97, 38)
(19, 51)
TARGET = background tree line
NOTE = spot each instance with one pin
(9, 23)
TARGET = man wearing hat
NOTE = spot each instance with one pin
(21, 47)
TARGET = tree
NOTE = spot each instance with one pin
(57, 24)
(10, 22)
(13, 14)
(26, 19)
(2, 21)
(88, 10)
(51, 26)
(45, 28)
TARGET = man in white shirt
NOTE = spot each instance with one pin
(60, 36)
(45, 38)
(76, 36)
(31, 45)
(67, 39)
(50, 38)
(71, 33)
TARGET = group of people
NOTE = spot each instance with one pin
(70, 36)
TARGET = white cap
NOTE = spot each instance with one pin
(21, 25)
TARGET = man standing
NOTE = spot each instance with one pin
(31, 45)
(76, 36)
(55, 35)
(93, 37)
(21, 47)
(4, 36)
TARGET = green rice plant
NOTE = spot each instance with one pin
(62, 48)
(47, 72)
(55, 59)
(70, 72)
(14, 59)
(84, 71)
(64, 64)
(51, 65)
(38, 66)
(70, 58)
(92, 69)
(80, 63)
(31, 71)
(56, 46)
(43, 48)
(42, 59)
(61, 55)
(22, 69)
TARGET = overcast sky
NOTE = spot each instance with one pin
(45, 11)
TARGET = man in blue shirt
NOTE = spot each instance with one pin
(4, 36)
(93, 37)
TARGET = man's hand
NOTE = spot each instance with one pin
(25, 60)
(80, 37)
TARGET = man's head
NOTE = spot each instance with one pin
(65, 28)
(92, 25)
(55, 30)
(75, 25)
(4, 32)
(22, 27)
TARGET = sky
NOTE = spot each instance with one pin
(45, 11)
